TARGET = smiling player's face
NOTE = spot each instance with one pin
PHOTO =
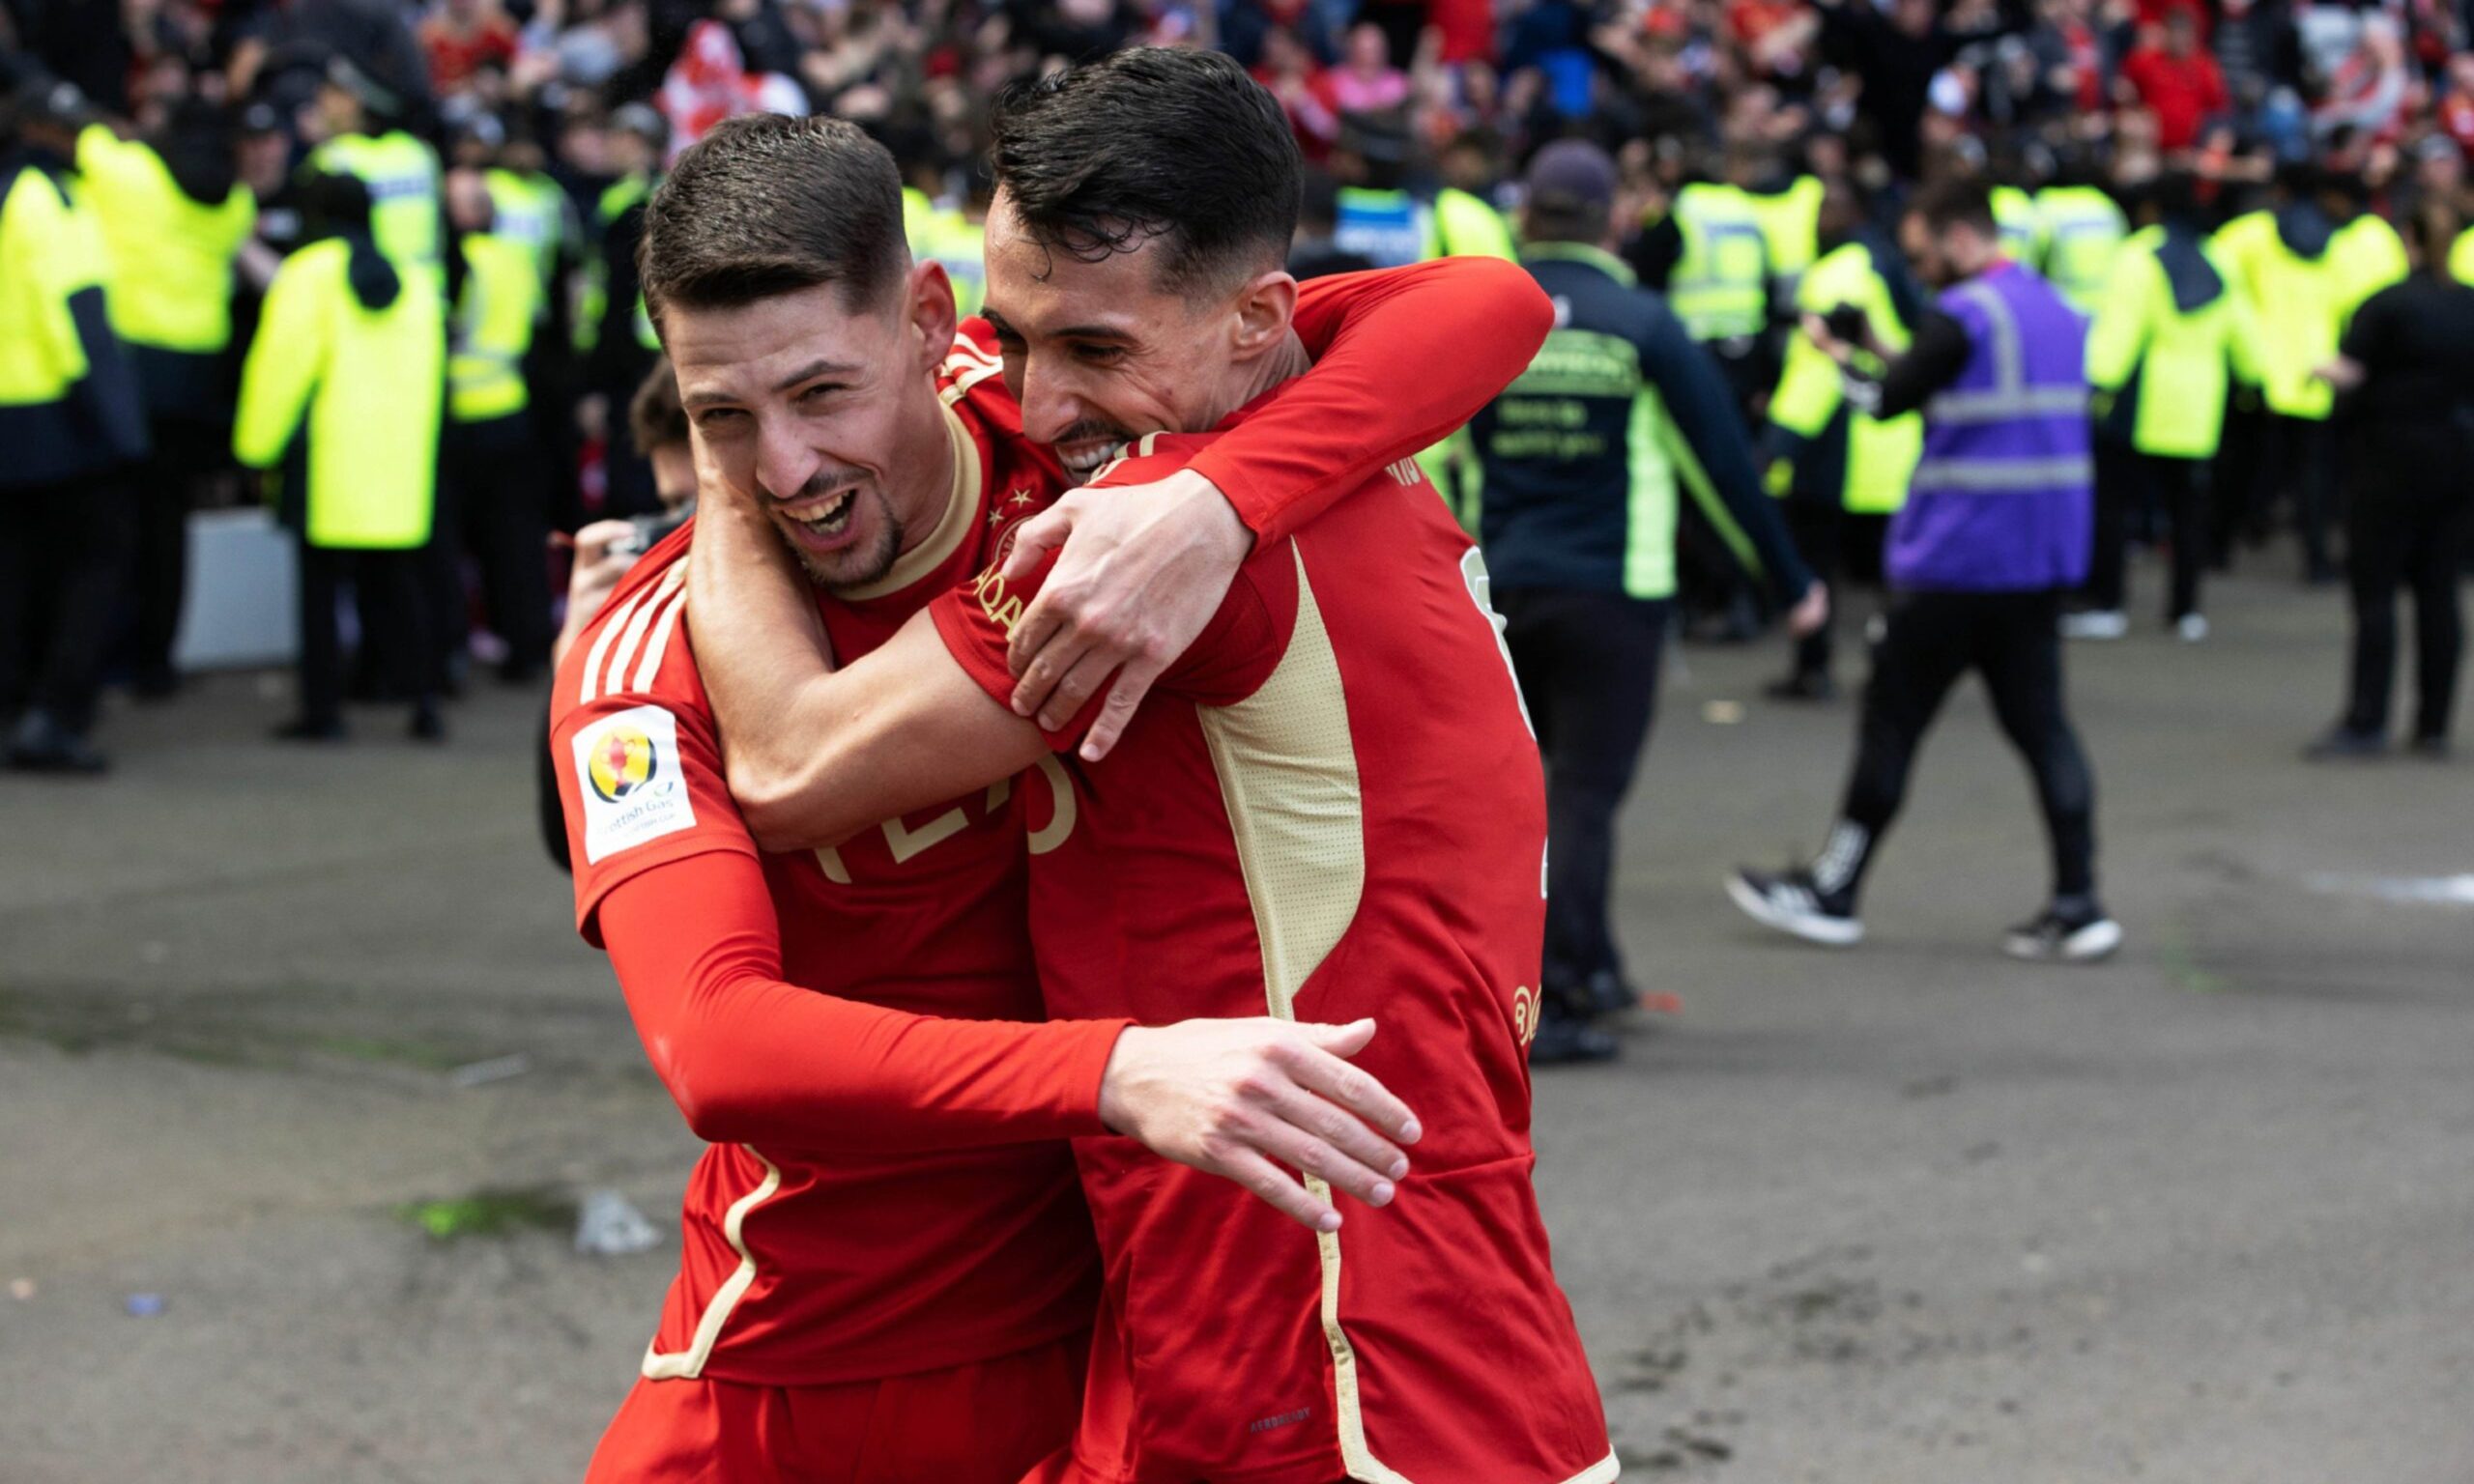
(822, 413)
(1102, 353)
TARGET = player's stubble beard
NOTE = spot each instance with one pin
(861, 564)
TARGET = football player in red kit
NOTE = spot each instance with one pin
(888, 1271)
(1329, 806)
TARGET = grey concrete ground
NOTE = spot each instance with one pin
(1911, 1213)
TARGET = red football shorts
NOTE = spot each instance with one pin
(988, 1423)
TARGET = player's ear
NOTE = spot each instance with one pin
(1264, 307)
(929, 301)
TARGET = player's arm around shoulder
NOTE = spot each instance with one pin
(815, 753)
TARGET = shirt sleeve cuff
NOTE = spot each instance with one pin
(1085, 1067)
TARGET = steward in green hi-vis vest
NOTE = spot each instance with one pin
(947, 236)
(2021, 229)
(1863, 463)
(1789, 213)
(2169, 336)
(350, 362)
(493, 329)
(618, 217)
(1466, 226)
(528, 207)
(1721, 286)
(1584, 453)
(171, 258)
(2083, 228)
(2281, 264)
(70, 406)
(401, 174)
(2369, 256)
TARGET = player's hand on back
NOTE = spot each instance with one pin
(1140, 571)
(1253, 1099)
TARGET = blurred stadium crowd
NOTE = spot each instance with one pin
(198, 194)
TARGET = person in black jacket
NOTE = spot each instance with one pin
(2407, 370)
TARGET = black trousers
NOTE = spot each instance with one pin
(64, 560)
(2401, 532)
(2302, 452)
(2128, 481)
(2236, 480)
(1842, 547)
(495, 503)
(2012, 640)
(395, 607)
(1588, 665)
(189, 455)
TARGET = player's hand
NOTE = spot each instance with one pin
(1252, 1099)
(1810, 613)
(1139, 572)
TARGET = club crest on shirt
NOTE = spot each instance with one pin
(628, 778)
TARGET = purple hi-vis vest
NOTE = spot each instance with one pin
(2001, 500)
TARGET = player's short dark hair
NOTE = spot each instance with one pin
(1956, 203)
(1181, 146)
(655, 416)
(767, 205)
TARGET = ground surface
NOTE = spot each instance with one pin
(1913, 1214)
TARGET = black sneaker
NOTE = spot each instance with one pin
(41, 745)
(2432, 749)
(1606, 993)
(428, 724)
(1563, 1038)
(1802, 685)
(2084, 936)
(1789, 901)
(2345, 745)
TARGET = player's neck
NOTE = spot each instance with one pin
(1248, 382)
(924, 487)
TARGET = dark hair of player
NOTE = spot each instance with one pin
(1180, 146)
(765, 205)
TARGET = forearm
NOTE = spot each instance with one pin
(765, 662)
(1933, 361)
(751, 1058)
(1401, 359)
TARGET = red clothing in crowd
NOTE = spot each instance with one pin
(2180, 91)
(455, 55)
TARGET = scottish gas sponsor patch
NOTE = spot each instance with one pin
(627, 773)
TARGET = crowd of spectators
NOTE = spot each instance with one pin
(2373, 99)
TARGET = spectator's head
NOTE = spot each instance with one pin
(1569, 194)
(468, 200)
(638, 138)
(349, 102)
(2432, 233)
(804, 338)
(1948, 232)
(2172, 199)
(1144, 208)
(1842, 211)
(1318, 204)
(658, 423)
(44, 114)
(2181, 32)
(1370, 51)
(2440, 167)
(1469, 162)
(1373, 150)
(334, 205)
